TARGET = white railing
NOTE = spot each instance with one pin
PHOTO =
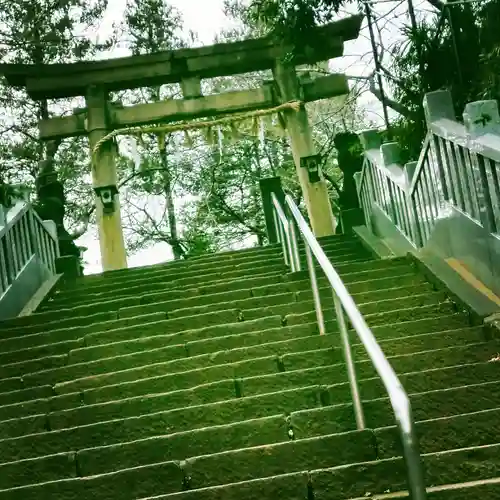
(24, 236)
(289, 222)
(459, 167)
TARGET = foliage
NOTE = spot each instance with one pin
(289, 20)
(459, 51)
(41, 32)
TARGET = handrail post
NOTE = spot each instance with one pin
(350, 365)
(315, 290)
(294, 244)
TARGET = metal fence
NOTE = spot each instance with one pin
(23, 237)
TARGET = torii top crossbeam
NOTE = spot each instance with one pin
(54, 81)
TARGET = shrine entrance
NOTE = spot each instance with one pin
(102, 120)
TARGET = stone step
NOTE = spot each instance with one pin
(15, 390)
(125, 305)
(357, 270)
(60, 364)
(222, 391)
(54, 442)
(367, 480)
(175, 330)
(337, 255)
(216, 469)
(140, 482)
(438, 323)
(244, 436)
(327, 346)
(215, 260)
(304, 405)
(214, 343)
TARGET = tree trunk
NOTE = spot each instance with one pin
(169, 200)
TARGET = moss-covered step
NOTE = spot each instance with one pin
(132, 327)
(419, 380)
(22, 409)
(34, 471)
(276, 380)
(102, 451)
(355, 282)
(303, 353)
(239, 258)
(293, 456)
(216, 342)
(21, 425)
(308, 417)
(219, 342)
(39, 352)
(292, 486)
(371, 479)
(405, 315)
(25, 395)
(70, 405)
(379, 413)
(359, 481)
(83, 415)
(218, 284)
(354, 271)
(446, 433)
(63, 414)
(178, 280)
(129, 484)
(187, 273)
(182, 445)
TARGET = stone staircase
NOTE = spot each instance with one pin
(208, 380)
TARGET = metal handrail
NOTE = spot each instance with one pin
(344, 303)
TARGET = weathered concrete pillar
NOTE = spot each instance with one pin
(299, 131)
(104, 180)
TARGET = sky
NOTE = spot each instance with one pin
(206, 18)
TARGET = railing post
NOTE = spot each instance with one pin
(350, 364)
(315, 290)
(439, 105)
(482, 117)
(409, 170)
(267, 187)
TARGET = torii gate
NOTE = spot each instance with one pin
(94, 80)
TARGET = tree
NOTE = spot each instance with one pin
(42, 32)
(152, 26)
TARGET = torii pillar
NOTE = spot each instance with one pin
(104, 181)
(315, 193)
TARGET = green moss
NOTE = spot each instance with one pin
(183, 445)
(206, 393)
(290, 486)
(461, 431)
(140, 482)
(34, 471)
(293, 456)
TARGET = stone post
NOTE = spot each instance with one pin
(267, 187)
